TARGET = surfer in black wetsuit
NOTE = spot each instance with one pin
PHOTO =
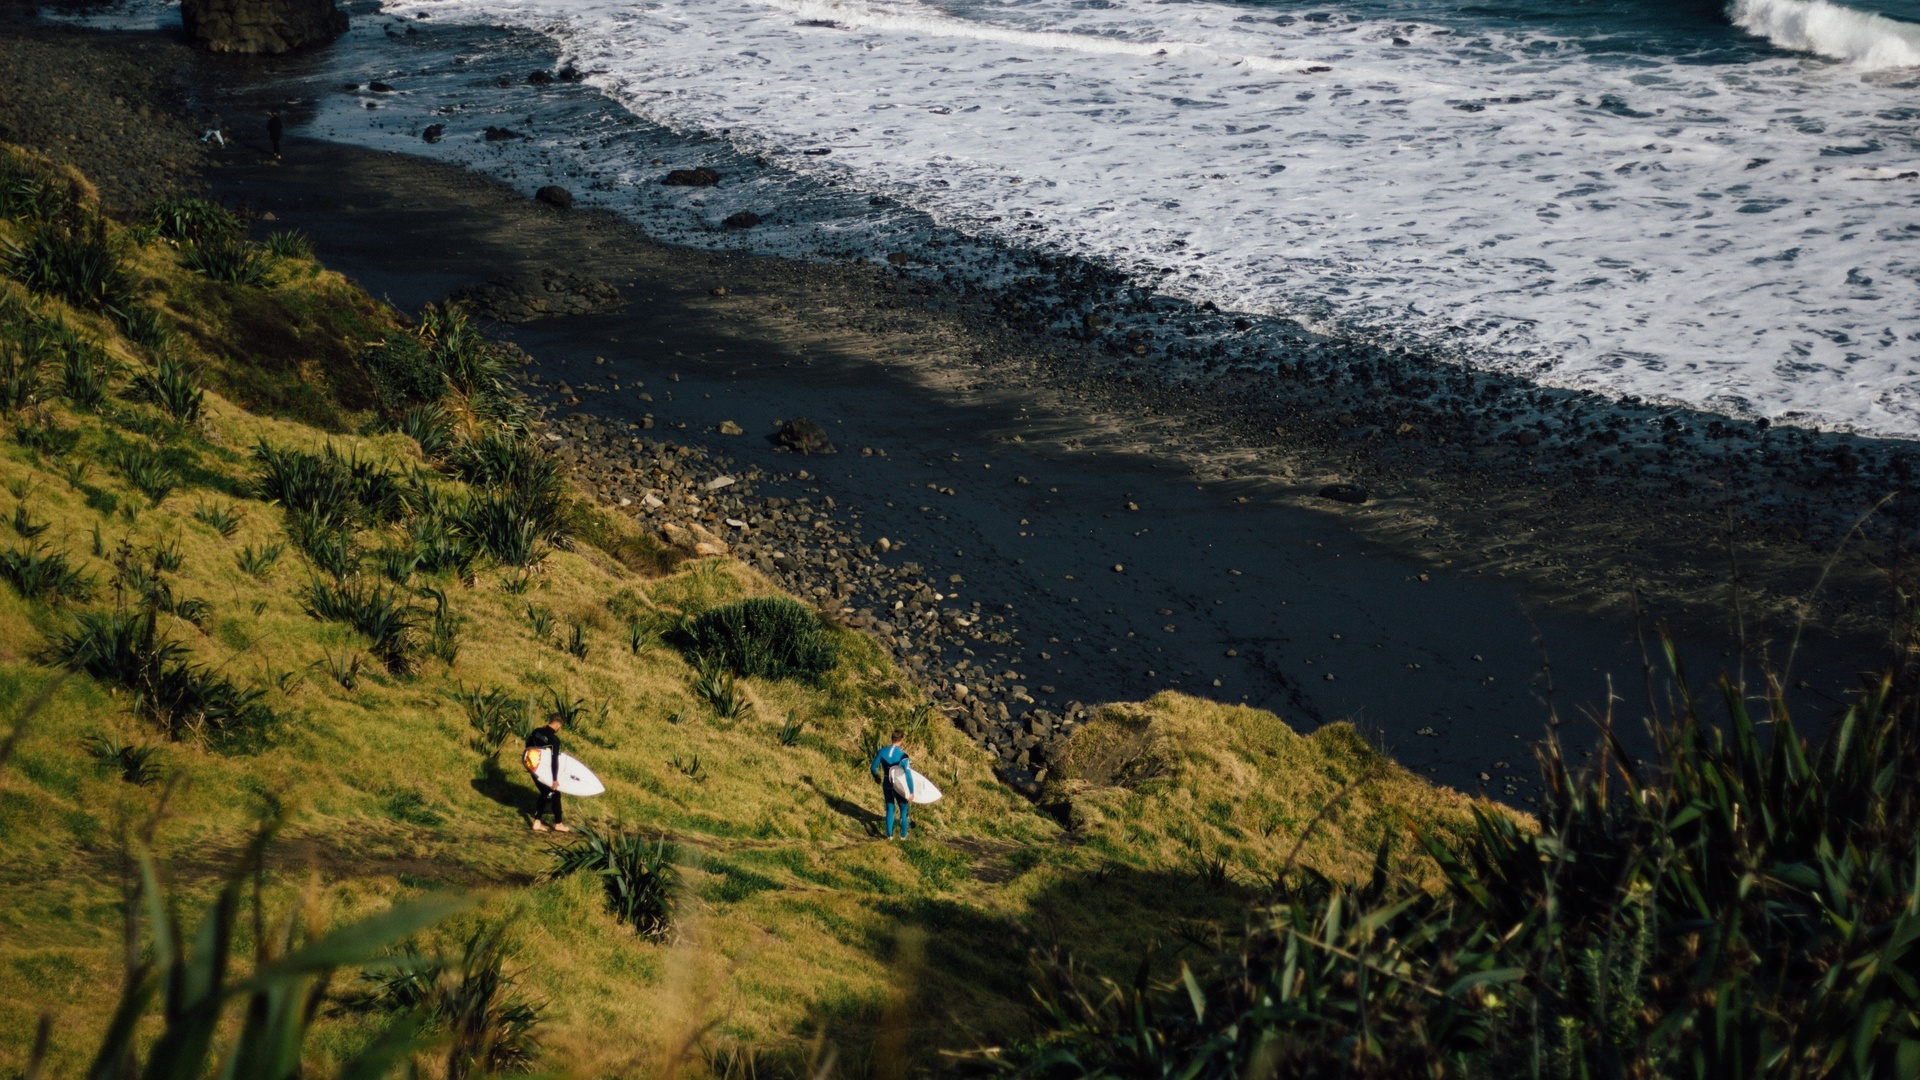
(546, 772)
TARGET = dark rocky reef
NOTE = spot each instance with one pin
(261, 26)
(538, 294)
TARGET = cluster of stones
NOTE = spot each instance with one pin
(547, 292)
(812, 546)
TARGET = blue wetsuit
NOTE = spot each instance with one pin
(886, 759)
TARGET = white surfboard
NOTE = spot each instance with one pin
(924, 790)
(575, 778)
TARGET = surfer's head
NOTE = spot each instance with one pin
(899, 736)
(554, 720)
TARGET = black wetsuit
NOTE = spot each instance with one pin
(274, 127)
(545, 738)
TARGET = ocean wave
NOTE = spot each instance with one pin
(862, 16)
(1830, 30)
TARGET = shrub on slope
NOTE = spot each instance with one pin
(1179, 779)
(1743, 906)
(769, 637)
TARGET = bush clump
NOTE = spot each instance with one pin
(143, 326)
(85, 374)
(472, 1003)
(387, 620)
(522, 501)
(404, 373)
(231, 260)
(769, 637)
(28, 194)
(175, 387)
(328, 490)
(147, 469)
(639, 877)
(438, 531)
(443, 357)
(127, 649)
(19, 377)
(192, 221)
(37, 573)
(288, 244)
(75, 263)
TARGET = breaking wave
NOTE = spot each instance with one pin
(1830, 30)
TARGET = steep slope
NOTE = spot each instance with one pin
(387, 748)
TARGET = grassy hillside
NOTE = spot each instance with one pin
(1177, 779)
(391, 754)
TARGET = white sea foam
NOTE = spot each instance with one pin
(858, 16)
(1830, 30)
(1698, 232)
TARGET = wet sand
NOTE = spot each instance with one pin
(1029, 495)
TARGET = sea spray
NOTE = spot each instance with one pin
(1831, 30)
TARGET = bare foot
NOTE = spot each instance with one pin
(539, 826)
(561, 826)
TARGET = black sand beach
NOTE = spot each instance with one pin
(1028, 495)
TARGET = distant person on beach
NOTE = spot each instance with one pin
(274, 130)
(545, 768)
(885, 764)
(213, 131)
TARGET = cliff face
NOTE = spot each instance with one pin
(261, 26)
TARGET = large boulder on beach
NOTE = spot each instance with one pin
(700, 177)
(539, 294)
(261, 26)
(1346, 493)
(555, 196)
(802, 435)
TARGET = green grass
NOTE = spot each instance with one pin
(387, 775)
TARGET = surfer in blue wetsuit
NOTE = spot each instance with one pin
(885, 762)
(543, 761)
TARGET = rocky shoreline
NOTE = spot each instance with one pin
(116, 110)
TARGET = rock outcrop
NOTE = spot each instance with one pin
(805, 436)
(699, 177)
(537, 295)
(261, 26)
